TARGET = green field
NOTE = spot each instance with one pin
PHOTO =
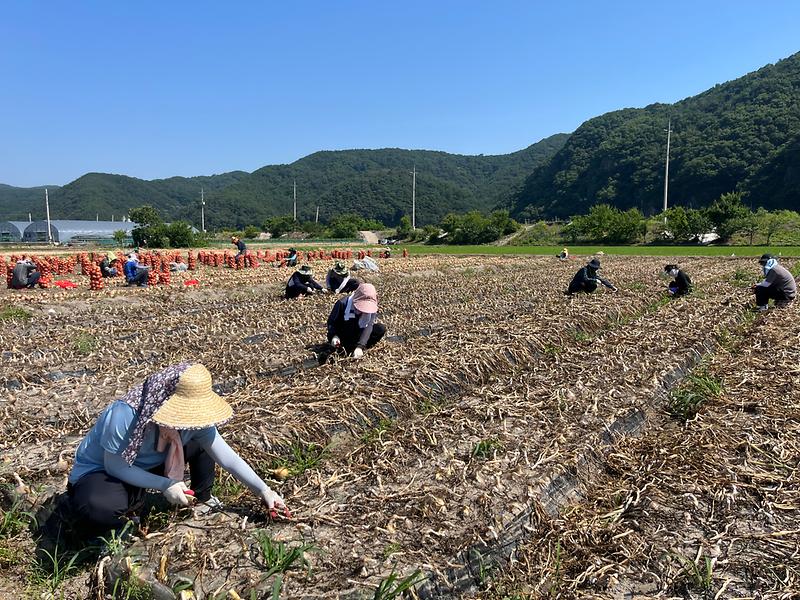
(623, 250)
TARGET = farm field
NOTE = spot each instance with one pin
(503, 440)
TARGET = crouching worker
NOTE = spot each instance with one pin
(339, 281)
(135, 273)
(105, 265)
(352, 324)
(778, 284)
(681, 283)
(302, 283)
(144, 440)
(24, 274)
(587, 278)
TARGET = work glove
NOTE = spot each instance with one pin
(271, 499)
(614, 288)
(176, 494)
(335, 341)
(310, 290)
(358, 353)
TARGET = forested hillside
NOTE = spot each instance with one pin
(17, 202)
(738, 136)
(373, 183)
(377, 184)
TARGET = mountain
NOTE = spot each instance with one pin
(105, 194)
(16, 202)
(740, 135)
(377, 184)
(373, 183)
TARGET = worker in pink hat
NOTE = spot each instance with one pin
(352, 325)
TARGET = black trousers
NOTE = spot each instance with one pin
(765, 294)
(350, 337)
(100, 502)
(587, 287)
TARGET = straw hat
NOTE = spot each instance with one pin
(193, 405)
(365, 299)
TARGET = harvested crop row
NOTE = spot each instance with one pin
(378, 478)
(707, 508)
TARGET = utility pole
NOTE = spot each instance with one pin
(47, 209)
(202, 211)
(294, 196)
(666, 169)
(316, 220)
(414, 199)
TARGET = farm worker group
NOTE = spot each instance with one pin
(144, 440)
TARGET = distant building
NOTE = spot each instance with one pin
(75, 232)
(11, 231)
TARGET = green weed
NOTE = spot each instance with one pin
(279, 557)
(116, 543)
(85, 343)
(131, 588)
(14, 313)
(742, 278)
(393, 586)
(14, 520)
(699, 577)
(53, 570)
(698, 388)
(636, 286)
(390, 549)
(226, 487)
(303, 457)
(581, 336)
(373, 435)
(485, 448)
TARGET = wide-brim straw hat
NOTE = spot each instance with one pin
(365, 298)
(194, 404)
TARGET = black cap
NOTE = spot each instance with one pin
(668, 268)
(764, 258)
(594, 264)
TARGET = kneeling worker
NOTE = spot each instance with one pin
(352, 324)
(681, 284)
(339, 281)
(301, 283)
(778, 284)
(586, 279)
(144, 440)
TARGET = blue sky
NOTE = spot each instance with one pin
(154, 89)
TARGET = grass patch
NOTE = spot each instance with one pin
(612, 250)
(373, 435)
(394, 586)
(85, 343)
(390, 549)
(14, 520)
(686, 400)
(53, 569)
(581, 336)
(742, 278)
(698, 577)
(485, 448)
(226, 487)
(279, 557)
(14, 313)
(302, 457)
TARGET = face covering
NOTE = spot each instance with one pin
(770, 264)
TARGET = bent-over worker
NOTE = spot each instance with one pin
(681, 283)
(586, 279)
(352, 324)
(339, 281)
(302, 283)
